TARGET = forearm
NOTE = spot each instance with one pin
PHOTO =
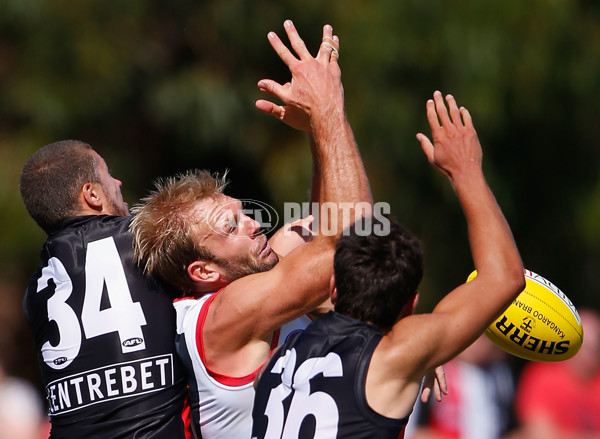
(470, 308)
(491, 241)
(338, 169)
(495, 256)
(315, 189)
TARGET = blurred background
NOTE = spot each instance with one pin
(158, 87)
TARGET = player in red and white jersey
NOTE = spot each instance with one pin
(201, 241)
(221, 404)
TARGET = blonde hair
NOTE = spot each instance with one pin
(164, 225)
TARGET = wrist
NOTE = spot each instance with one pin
(327, 120)
(469, 175)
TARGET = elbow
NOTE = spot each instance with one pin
(515, 280)
(508, 278)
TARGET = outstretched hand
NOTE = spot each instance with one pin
(315, 87)
(455, 145)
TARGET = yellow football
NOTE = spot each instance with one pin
(541, 324)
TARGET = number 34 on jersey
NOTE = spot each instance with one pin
(103, 267)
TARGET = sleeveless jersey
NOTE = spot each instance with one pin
(105, 336)
(221, 406)
(314, 386)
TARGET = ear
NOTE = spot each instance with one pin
(92, 196)
(203, 273)
(411, 304)
(332, 289)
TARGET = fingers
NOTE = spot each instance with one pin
(466, 117)
(429, 151)
(426, 146)
(440, 376)
(453, 108)
(330, 45)
(440, 107)
(307, 221)
(425, 395)
(437, 392)
(328, 51)
(284, 53)
(272, 88)
(438, 114)
(432, 116)
(334, 53)
(435, 384)
(270, 108)
(295, 40)
(311, 77)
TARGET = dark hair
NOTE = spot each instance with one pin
(376, 273)
(52, 178)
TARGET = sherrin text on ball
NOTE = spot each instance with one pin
(541, 324)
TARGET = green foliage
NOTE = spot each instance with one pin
(159, 87)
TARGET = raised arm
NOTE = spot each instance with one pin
(463, 314)
(419, 343)
(300, 281)
(456, 152)
(298, 119)
(316, 90)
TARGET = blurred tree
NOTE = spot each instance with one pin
(159, 87)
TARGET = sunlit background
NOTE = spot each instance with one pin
(158, 87)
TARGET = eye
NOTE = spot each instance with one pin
(232, 223)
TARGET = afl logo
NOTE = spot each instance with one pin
(60, 360)
(223, 218)
(133, 342)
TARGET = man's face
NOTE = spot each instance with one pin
(112, 189)
(235, 239)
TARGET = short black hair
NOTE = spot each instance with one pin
(52, 178)
(378, 266)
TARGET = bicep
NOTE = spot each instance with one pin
(419, 343)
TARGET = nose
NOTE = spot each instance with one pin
(253, 226)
